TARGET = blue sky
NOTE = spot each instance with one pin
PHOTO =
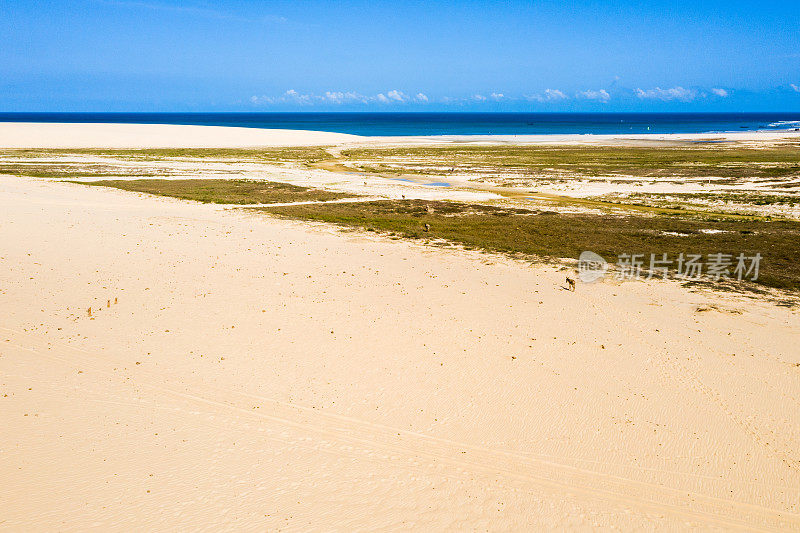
(238, 55)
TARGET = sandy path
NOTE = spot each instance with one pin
(262, 374)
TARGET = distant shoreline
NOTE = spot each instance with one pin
(17, 135)
(414, 124)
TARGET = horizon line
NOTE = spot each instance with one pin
(399, 112)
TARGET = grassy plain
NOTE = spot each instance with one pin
(648, 223)
(222, 191)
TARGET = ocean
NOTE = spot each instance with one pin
(377, 124)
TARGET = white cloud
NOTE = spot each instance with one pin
(796, 88)
(397, 96)
(722, 93)
(601, 95)
(337, 98)
(675, 93)
(554, 94)
(293, 96)
(344, 97)
(550, 95)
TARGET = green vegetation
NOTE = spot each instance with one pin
(63, 170)
(301, 154)
(685, 160)
(682, 160)
(679, 160)
(748, 198)
(547, 235)
(220, 191)
(670, 223)
(717, 204)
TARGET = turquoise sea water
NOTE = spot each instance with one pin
(373, 124)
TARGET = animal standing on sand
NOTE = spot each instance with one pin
(570, 284)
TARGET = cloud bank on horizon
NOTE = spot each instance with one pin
(548, 96)
(239, 55)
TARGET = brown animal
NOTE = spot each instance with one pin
(570, 284)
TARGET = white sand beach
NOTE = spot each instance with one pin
(65, 135)
(247, 373)
(598, 139)
(78, 135)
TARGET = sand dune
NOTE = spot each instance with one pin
(46, 135)
(247, 373)
(66, 135)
